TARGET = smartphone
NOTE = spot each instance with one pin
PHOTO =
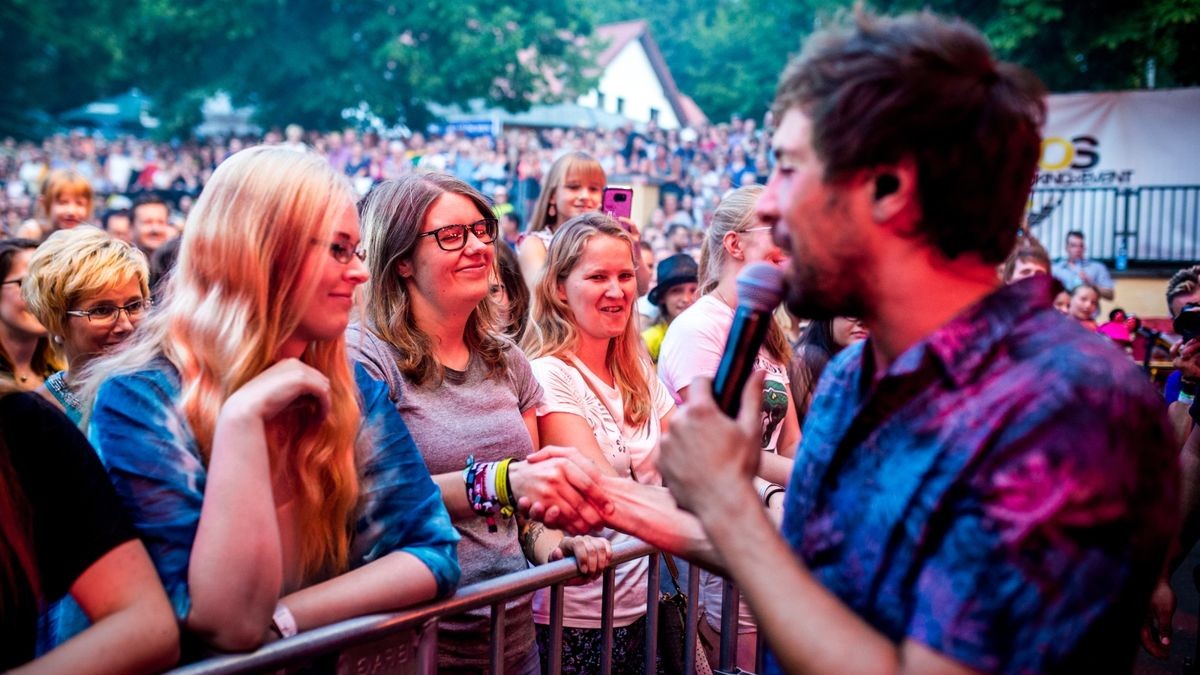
(618, 202)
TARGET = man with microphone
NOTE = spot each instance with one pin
(982, 485)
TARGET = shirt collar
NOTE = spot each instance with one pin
(965, 343)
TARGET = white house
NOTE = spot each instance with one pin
(635, 81)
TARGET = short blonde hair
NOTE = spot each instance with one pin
(72, 265)
(64, 182)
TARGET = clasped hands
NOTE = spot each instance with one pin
(707, 461)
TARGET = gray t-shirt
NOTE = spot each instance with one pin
(466, 414)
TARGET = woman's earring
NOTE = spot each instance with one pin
(57, 339)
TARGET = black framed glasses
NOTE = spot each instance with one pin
(18, 281)
(454, 237)
(108, 314)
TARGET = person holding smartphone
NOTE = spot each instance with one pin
(574, 185)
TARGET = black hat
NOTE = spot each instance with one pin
(680, 268)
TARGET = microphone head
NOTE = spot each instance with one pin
(760, 287)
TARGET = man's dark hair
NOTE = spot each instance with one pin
(143, 200)
(1185, 281)
(115, 213)
(927, 89)
(1074, 233)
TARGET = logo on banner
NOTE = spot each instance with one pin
(1070, 162)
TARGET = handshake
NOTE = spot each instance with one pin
(562, 488)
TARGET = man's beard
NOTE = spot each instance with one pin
(819, 294)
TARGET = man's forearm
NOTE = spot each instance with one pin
(650, 513)
(809, 628)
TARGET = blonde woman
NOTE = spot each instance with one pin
(573, 185)
(692, 348)
(66, 201)
(275, 486)
(466, 393)
(90, 291)
(601, 396)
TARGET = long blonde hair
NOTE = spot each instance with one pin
(233, 299)
(553, 330)
(577, 162)
(735, 214)
(393, 214)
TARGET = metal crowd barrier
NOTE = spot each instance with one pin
(406, 641)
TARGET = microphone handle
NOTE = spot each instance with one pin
(745, 339)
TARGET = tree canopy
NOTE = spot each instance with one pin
(294, 60)
(307, 60)
(727, 54)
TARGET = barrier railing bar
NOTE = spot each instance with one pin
(554, 660)
(371, 627)
(652, 594)
(729, 626)
(693, 617)
(606, 621)
(427, 649)
(497, 647)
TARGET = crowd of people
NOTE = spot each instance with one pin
(694, 166)
(326, 375)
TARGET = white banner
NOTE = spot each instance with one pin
(1122, 139)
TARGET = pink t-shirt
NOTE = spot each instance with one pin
(692, 348)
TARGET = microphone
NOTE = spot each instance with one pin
(759, 291)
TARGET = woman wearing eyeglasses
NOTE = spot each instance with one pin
(275, 486)
(90, 291)
(26, 355)
(466, 392)
(692, 348)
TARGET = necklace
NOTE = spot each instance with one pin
(721, 297)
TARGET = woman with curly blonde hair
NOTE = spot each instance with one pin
(602, 397)
(275, 486)
(90, 291)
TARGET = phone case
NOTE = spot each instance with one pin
(617, 202)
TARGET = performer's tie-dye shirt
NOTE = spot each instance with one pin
(1003, 493)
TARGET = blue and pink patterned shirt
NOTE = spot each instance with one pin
(1004, 493)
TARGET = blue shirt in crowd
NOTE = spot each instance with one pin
(146, 443)
(1003, 494)
(1068, 274)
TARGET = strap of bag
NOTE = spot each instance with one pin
(673, 570)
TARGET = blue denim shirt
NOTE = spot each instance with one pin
(146, 443)
(1004, 493)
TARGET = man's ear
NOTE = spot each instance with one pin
(895, 200)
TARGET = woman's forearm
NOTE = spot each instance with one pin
(393, 582)
(235, 572)
(133, 627)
